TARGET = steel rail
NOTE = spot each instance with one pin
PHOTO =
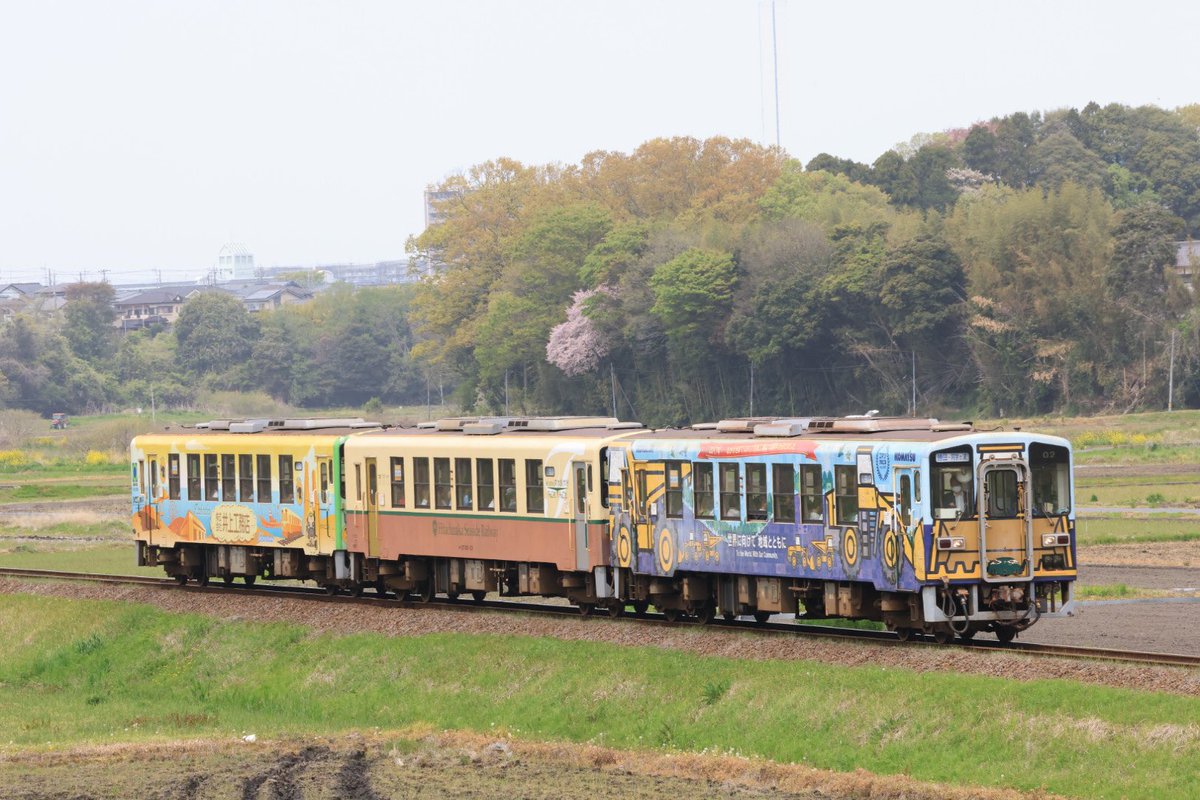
(774, 628)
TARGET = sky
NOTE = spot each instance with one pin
(140, 135)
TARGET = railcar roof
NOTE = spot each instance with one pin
(689, 434)
(185, 430)
(508, 435)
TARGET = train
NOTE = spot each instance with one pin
(931, 528)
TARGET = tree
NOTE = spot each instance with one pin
(215, 333)
(692, 296)
(1143, 253)
(89, 316)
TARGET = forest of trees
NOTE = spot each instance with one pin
(1023, 265)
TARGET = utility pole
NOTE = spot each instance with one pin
(1171, 376)
(612, 382)
(752, 382)
(775, 57)
(104, 276)
(914, 383)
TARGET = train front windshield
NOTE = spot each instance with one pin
(1051, 480)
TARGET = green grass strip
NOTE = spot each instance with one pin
(86, 671)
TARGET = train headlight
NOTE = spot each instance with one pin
(1056, 539)
(951, 543)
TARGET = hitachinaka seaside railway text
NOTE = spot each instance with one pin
(926, 526)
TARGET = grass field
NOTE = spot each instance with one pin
(68, 679)
(1115, 529)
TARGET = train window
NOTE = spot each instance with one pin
(811, 500)
(1051, 480)
(702, 485)
(212, 479)
(783, 492)
(846, 492)
(264, 479)
(421, 482)
(246, 478)
(139, 473)
(287, 486)
(153, 480)
(535, 494)
(731, 495)
(228, 477)
(193, 476)
(674, 493)
(952, 484)
(904, 502)
(756, 491)
(464, 490)
(325, 484)
(1003, 493)
(442, 489)
(397, 482)
(372, 484)
(358, 483)
(173, 476)
(508, 484)
(485, 484)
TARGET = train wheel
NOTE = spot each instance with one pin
(586, 609)
(671, 614)
(728, 616)
(968, 634)
(331, 589)
(615, 609)
(202, 580)
(640, 607)
(181, 579)
(904, 634)
(943, 635)
(228, 580)
(452, 595)
(705, 614)
(1006, 634)
(478, 595)
(356, 590)
(761, 617)
(249, 579)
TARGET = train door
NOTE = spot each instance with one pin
(904, 482)
(639, 511)
(1005, 521)
(579, 514)
(372, 500)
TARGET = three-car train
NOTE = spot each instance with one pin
(926, 526)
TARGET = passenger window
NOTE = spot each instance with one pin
(464, 494)
(811, 502)
(702, 486)
(783, 491)
(846, 492)
(287, 486)
(212, 480)
(154, 480)
(756, 491)
(358, 482)
(193, 476)
(486, 484)
(397, 483)
(674, 494)
(903, 501)
(535, 495)
(731, 495)
(264, 479)
(228, 477)
(442, 489)
(173, 476)
(421, 482)
(508, 484)
(246, 478)
(325, 483)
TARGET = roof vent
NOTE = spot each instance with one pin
(426, 426)
(783, 427)
(704, 426)
(316, 423)
(249, 426)
(219, 425)
(625, 426)
(741, 424)
(362, 425)
(453, 423)
(561, 423)
(482, 428)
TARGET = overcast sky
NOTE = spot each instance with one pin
(140, 135)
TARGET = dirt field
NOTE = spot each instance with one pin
(432, 766)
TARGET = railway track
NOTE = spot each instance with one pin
(467, 606)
